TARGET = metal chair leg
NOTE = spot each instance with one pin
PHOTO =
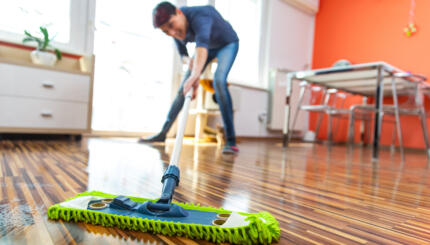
(393, 141)
(423, 120)
(336, 124)
(317, 129)
(351, 127)
(326, 98)
(368, 133)
(396, 112)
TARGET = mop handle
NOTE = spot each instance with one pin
(181, 128)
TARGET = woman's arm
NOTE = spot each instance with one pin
(198, 64)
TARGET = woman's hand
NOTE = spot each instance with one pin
(190, 64)
(188, 61)
(196, 64)
(192, 83)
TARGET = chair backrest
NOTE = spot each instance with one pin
(329, 97)
(317, 93)
(334, 96)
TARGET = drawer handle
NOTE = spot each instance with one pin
(48, 84)
(46, 114)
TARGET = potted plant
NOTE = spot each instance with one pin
(41, 55)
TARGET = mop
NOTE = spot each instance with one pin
(162, 216)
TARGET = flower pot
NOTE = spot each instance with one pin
(43, 58)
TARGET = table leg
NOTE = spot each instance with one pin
(303, 88)
(286, 129)
(378, 112)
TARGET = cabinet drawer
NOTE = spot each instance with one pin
(19, 112)
(31, 82)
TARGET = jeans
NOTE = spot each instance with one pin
(226, 56)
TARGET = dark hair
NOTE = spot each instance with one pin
(162, 13)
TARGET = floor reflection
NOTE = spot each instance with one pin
(120, 167)
(305, 186)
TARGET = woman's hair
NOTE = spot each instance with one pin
(162, 13)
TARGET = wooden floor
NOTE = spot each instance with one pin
(319, 196)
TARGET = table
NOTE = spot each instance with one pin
(376, 79)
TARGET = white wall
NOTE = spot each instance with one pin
(291, 34)
(288, 47)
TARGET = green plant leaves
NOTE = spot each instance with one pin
(27, 39)
(42, 43)
(58, 53)
(45, 37)
(28, 34)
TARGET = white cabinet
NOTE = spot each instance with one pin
(39, 100)
(25, 112)
(44, 84)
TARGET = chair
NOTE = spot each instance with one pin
(413, 106)
(365, 113)
(330, 98)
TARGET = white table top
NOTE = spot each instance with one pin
(360, 79)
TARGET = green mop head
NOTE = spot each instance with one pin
(238, 228)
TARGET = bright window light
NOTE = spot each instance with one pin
(134, 65)
(19, 15)
(197, 2)
(244, 17)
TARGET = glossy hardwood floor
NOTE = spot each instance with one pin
(318, 195)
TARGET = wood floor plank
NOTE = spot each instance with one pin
(319, 195)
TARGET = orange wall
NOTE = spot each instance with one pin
(372, 30)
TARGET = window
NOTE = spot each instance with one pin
(134, 65)
(197, 2)
(66, 20)
(244, 16)
(17, 16)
